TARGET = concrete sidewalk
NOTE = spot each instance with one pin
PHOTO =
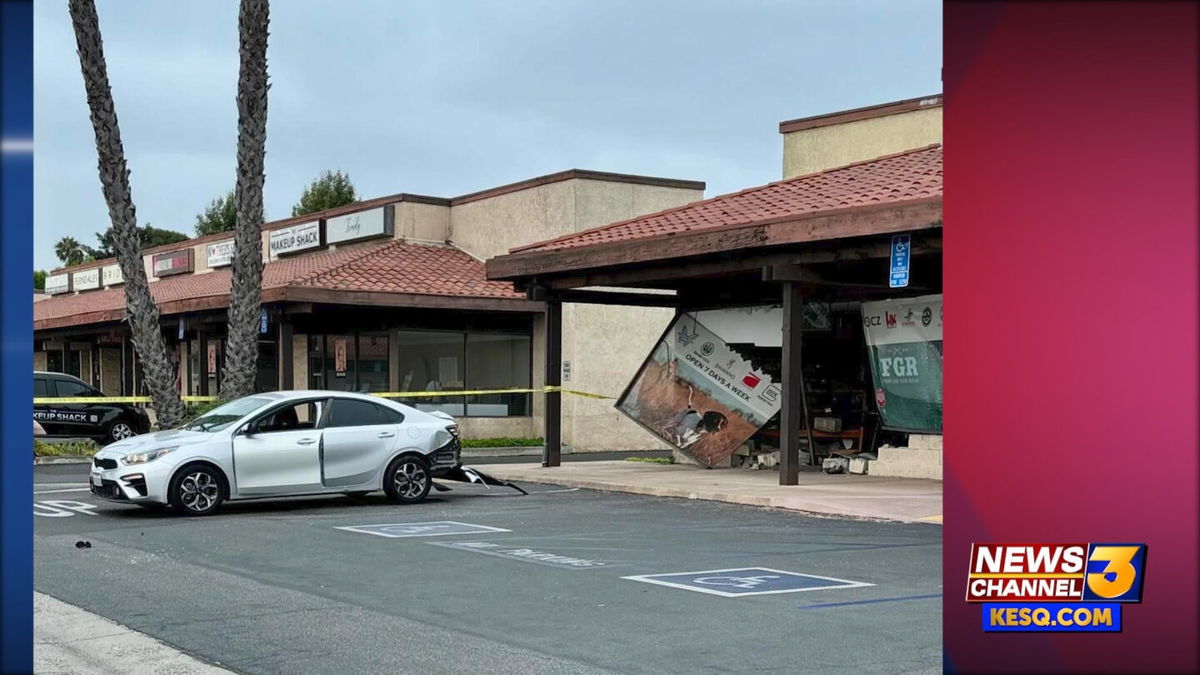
(839, 495)
(67, 639)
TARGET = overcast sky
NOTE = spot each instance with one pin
(445, 97)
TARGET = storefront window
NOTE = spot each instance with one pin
(498, 361)
(267, 376)
(372, 362)
(432, 361)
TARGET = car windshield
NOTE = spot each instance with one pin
(223, 415)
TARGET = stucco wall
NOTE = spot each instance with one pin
(39, 361)
(299, 361)
(422, 222)
(489, 227)
(821, 148)
(605, 344)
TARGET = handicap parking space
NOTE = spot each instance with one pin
(746, 581)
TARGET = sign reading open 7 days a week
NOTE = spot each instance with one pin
(699, 395)
(904, 338)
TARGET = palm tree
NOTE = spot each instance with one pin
(114, 180)
(241, 350)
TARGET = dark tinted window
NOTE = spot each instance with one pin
(41, 387)
(390, 416)
(72, 388)
(352, 413)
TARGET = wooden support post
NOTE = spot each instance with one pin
(202, 338)
(286, 363)
(552, 453)
(794, 411)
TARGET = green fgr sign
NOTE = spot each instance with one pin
(904, 338)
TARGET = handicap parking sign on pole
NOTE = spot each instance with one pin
(901, 254)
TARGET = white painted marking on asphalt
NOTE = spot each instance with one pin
(432, 529)
(546, 492)
(693, 581)
(50, 492)
(62, 508)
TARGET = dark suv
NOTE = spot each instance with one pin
(104, 422)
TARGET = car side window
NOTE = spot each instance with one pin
(41, 387)
(390, 416)
(302, 415)
(69, 388)
(347, 412)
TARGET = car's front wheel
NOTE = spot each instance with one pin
(407, 479)
(196, 490)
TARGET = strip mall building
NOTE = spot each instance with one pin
(391, 294)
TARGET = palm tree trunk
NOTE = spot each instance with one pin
(143, 319)
(241, 351)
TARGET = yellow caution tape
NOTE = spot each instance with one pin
(381, 394)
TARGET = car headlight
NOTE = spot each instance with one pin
(143, 457)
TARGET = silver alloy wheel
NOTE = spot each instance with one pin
(121, 431)
(198, 491)
(410, 479)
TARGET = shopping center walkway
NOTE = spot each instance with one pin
(838, 495)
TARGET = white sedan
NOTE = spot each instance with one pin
(282, 444)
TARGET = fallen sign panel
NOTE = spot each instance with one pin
(524, 554)
(433, 529)
(741, 581)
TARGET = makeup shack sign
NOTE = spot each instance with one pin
(296, 238)
(359, 225)
(175, 262)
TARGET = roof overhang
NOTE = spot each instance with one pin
(821, 226)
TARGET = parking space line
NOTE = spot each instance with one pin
(871, 602)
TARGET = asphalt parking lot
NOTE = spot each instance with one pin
(489, 580)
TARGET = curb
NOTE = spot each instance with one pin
(684, 493)
(511, 451)
(62, 460)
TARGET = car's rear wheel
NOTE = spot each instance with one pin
(407, 479)
(119, 431)
(196, 490)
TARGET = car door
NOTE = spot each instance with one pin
(43, 413)
(278, 452)
(358, 438)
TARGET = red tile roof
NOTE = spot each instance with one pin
(389, 267)
(912, 175)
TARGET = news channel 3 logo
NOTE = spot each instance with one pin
(1055, 587)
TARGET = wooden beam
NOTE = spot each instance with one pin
(794, 408)
(552, 452)
(383, 299)
(618, 298)
(662, 273)
(822, 226)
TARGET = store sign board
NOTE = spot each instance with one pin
(698, 394)
(110, 275)
(175, 262)
(58, 283)
(904, 338)
(219, 253)
(359, 225)
(86, 280)
(296, 238)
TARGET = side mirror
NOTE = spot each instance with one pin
(248, 430)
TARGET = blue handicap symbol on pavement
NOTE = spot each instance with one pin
(732, 583)
(432, 529)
